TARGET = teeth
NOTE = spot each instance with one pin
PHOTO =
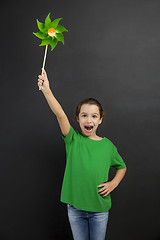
(89, 128)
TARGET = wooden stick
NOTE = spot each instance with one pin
(44, 60)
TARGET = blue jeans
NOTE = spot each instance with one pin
(87, 225)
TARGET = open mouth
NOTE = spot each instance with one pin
(88, 128)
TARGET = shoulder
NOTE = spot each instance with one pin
(111, 144)
(72, 134)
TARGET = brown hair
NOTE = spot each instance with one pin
(89, 101)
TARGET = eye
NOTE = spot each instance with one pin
(83, 115)
(94, 116)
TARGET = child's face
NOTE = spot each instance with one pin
(89, 119)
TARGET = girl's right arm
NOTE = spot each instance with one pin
(63, 121)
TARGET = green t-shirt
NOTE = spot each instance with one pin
(87, 166)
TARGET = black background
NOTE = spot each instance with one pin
(111, 53)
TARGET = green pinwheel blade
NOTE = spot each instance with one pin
(53, 43)
(54, 24)
(45, 42)
(47, 21)
(60, 37)
(60, 29)
(44, 34)
(40, 26)
(40, 35)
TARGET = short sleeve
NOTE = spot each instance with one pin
(70, 136)
(117, 161)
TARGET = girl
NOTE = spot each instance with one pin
(86, 189)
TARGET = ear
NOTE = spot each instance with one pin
(77, 119)
(100, 121)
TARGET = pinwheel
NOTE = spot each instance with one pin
(50, 33)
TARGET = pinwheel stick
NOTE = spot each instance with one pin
(44, 59)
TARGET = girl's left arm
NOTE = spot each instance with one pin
(119, 176)
(110, 186)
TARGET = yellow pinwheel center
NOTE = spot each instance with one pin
(51, 32)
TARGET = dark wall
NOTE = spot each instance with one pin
(112, 53)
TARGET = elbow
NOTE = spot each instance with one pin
(125, 170)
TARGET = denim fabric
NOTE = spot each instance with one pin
(87, 225)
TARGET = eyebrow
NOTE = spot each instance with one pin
(92, 113)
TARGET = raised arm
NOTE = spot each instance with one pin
(63, 121)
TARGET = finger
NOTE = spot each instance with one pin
(39, 87)
(41, 77)
(106, 194)
(101, 185)
(102, 189)
(103, 192)
(40, 83)
(44, 72)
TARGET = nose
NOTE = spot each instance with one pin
(89, 120)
